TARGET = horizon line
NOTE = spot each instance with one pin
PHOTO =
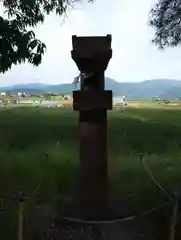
(54, 84)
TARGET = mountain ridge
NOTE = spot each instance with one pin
(165, 88)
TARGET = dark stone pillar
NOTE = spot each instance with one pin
(92, 55)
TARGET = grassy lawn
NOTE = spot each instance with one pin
(39, 156)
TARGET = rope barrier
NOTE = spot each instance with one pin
(133, 217)
(21, 201)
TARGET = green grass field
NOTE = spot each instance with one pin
(39, 156)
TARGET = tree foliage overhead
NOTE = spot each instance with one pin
(166, 18)
(17, 43)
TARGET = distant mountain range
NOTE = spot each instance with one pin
(163, 88)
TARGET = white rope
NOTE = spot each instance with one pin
(154, 179)
(76, 220)
(134, 216)
(82, 75)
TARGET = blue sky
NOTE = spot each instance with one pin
(134, 56)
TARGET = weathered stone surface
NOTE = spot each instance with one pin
(92, 55)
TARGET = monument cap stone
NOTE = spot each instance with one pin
(91, 53)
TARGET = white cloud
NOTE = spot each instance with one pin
(134, 57)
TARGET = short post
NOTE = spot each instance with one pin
(92, 55)
(21, 215)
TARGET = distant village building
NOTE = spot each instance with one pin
(24, 95)
(15, 100)
(20, 94)
(120, 101)
(3, 93)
